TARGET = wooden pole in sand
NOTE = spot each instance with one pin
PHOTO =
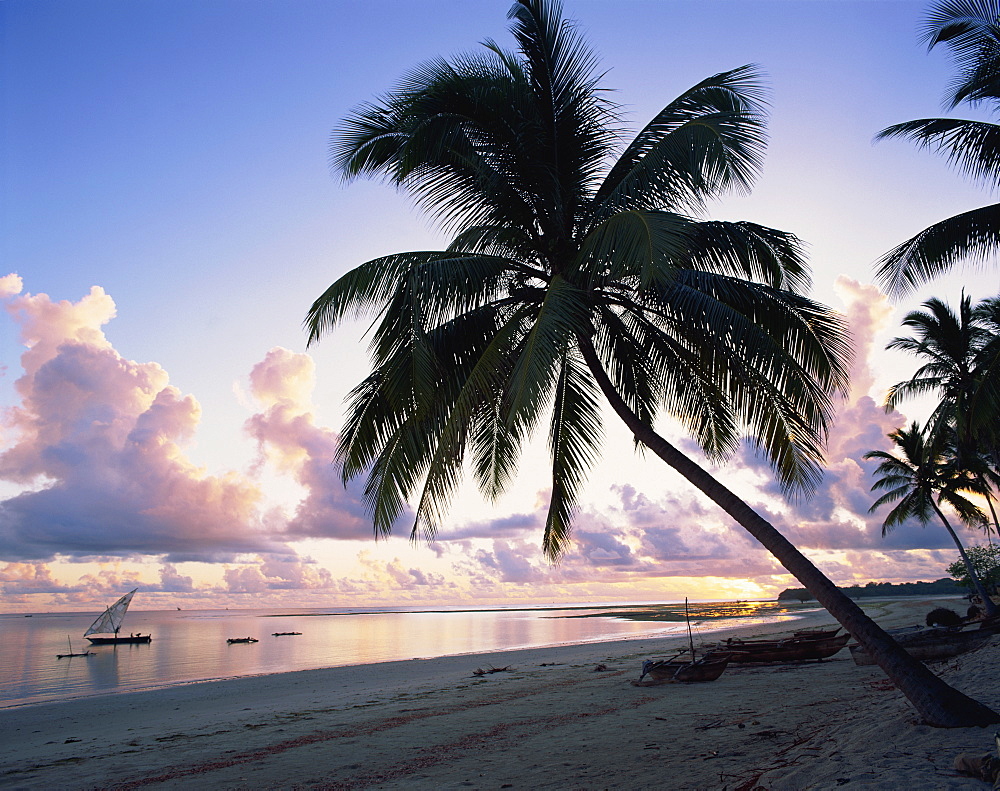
(687, 617)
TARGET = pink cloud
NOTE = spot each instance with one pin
(18, 580)
(277, 573)
(287, 435)
(100, 439)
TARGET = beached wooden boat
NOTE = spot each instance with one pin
(929, 645)
(817, 633)
(106, 630)
(284, 634)
(232, 640)
(792, 649)
(707, 668)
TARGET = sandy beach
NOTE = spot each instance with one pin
(552, 720)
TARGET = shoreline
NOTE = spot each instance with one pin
(655, 627)
(548, 721)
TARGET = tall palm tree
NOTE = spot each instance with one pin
(919, 480)
(571, 275)
(971, 29)
(961, 365)
(950, 345)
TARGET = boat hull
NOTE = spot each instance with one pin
(817, 634)
(132, 640)
(795, 649)
(706, 669)
(931, 645)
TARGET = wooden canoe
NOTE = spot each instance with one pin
(792, 649)
(817, 633)
(708, 668)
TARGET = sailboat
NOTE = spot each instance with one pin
(105, 630)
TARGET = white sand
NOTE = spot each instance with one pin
(550, 722)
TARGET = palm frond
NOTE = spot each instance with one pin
(445, 282)
(634, 246)
(778, 357)
(971, 147)
(749, 251)
(471, 389)
(563, 313)
(971, 29)
(710, 139)
(575, 436)
(972, 236)
(656, 371)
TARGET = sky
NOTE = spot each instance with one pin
(168, 215)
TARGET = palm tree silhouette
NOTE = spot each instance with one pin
(573, 274)
(960, 353)
(919, 480)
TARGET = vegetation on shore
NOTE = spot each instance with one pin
(940, 587)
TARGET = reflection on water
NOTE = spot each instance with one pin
(676, 612)
(191, 645)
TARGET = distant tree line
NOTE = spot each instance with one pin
(941, 587)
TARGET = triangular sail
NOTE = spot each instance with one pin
(110, 621)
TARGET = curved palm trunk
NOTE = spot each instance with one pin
(989, 501)
(991, 608)
(937, 703)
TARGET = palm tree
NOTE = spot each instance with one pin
(961, 352)
(918, 475)
(971, 29)
(571, 275)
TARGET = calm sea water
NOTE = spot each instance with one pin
(190, 645)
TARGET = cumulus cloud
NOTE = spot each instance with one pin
(287, 435)
(98, 444)
(10, 285)
(98, 441)
(18, 580)
(275, 574)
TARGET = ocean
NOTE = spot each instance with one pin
(190, 645)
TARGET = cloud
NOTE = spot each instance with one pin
(99, 440)
(288, 437)
(868, 311)
(277, 574)
(10, 285)
(18, 580)
(98, 444)
(510, 525)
